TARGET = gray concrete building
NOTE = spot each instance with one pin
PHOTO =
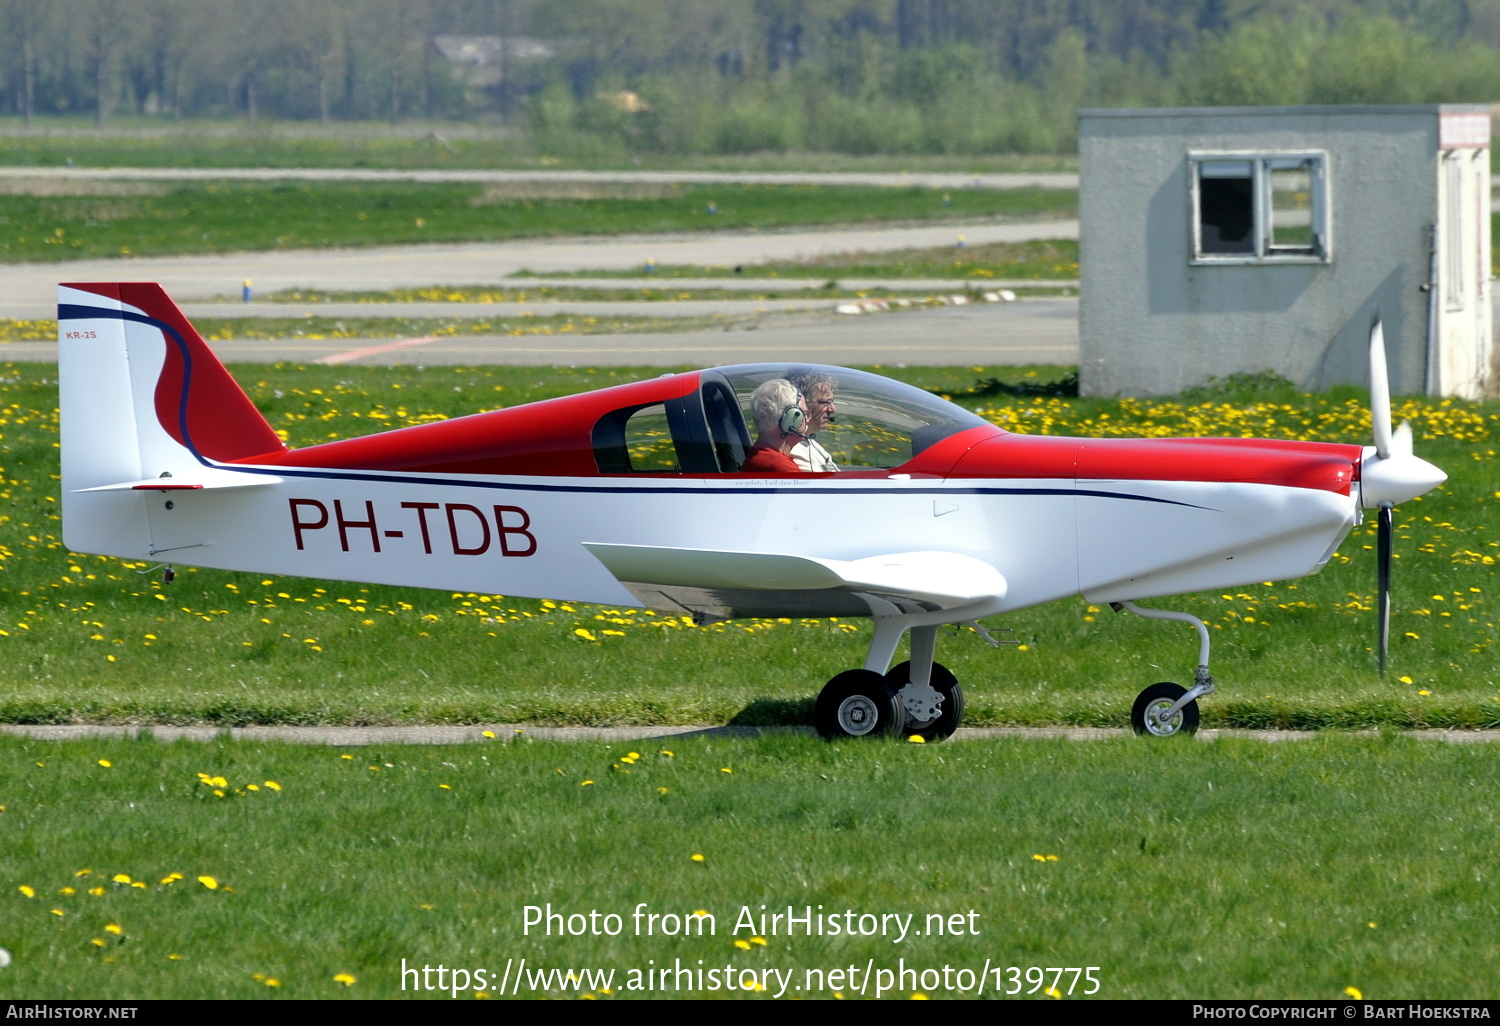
(1216, 241)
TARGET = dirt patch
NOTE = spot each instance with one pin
(54, 186)
(511, 192)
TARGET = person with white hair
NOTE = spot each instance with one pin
(780, 415)
(816, 387)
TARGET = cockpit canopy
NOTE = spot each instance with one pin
(879, 424)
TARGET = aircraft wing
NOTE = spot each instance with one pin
(724, 584)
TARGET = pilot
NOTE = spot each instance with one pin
(780, 416)
(816, 387)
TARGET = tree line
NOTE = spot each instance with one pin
(611, 77)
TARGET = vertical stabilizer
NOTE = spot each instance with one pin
(141, 396)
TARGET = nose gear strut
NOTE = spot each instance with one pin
(1165, 709)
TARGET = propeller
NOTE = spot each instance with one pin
(1390, 474)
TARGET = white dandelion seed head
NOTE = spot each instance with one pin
(4, 958)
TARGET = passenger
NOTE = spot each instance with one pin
(816, 387)
(779, 415)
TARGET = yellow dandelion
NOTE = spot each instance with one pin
(272, 981)
(174, 958)
(666, 753)
(83, 872)
(917, 995)
(663, 790)
(742, 944)
(123, 878)
(105, 762)
(758, 940)
(1355, 993)
(273, 785)
(586, 783)
(696, 857)
(725, 769)
(97, 942)
(1405, 680)
(347, 979)
(97, 892)
(27, 891)
(917, 739)
(1039, 858)
(115, 928)
(346, 757)
(446, 787)
(489, 734)
(701, 913)
(1424, 691)
(1053, 993)
(58, 912)
(67, 891)
(138, 883)
(209, 882)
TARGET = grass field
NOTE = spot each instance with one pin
(1041, 260)
(223, 329)
(1237, 869)
(210, 217)
(92, 639)
(143, 142)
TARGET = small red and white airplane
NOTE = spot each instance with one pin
(634, 495)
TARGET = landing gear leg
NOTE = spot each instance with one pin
(1165, 709)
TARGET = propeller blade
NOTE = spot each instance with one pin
(1380, 393)
(1383, 584)
(1401, 444)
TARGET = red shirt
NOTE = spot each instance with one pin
(765, 460)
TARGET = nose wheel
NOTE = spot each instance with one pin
(1160, 712)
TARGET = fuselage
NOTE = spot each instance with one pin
(504, 502)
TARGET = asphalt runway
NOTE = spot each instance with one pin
(203, 277)
(883, 179)
(1040, 331)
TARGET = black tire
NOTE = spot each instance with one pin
(1159, 696)
(858, 703)
(952, 712)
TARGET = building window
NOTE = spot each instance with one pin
(1260, 207)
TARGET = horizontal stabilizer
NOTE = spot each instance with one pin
(202, 479)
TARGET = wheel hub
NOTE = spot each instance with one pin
(1156, 725)
(857, 715)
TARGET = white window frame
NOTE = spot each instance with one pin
(1262, 164)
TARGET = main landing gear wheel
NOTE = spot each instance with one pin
(858, 703)
(950, 714)
(1156, 699)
